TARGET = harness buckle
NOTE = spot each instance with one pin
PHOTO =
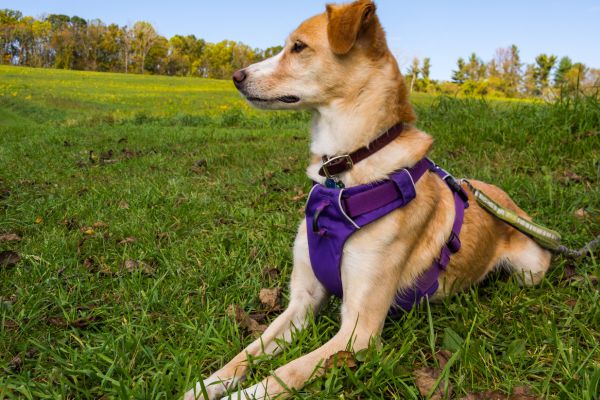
(345, 161)
(456, 188)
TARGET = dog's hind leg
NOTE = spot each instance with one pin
(306, 296)
(526, 259)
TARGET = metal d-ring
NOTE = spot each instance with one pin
(315, 221)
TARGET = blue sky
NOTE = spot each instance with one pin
(441, 30)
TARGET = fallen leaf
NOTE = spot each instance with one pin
(80, 323)
(4, 193)
(127, 240)
(270, 298)
(16, 364)
(83, 323)
(9, 258)
(570, 176)
(11, 325)
(99, 225)
(244, 321)
(107, 155)
(339, 360)
(89, 231)
(443, 356)
(135, 265)
(425, 379)
(39, 220)
(581, 213)
(571, 302)
(523, 393)
(10, 237)
(161, 236)
(489, 395)
(32, 352)
(123, 205)
(270, 273)
(58, 322)
(70, 223)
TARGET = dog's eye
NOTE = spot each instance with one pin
(298, 46)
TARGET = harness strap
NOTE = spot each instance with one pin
(384, 193)
(427, 284)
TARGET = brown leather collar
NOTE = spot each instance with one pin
(336, 165)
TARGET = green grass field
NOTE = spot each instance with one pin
(148, 205)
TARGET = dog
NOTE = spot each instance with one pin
(337, 64)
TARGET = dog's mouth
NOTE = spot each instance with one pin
(282, 99)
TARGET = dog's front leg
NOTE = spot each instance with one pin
(364, 311)
(306, 296)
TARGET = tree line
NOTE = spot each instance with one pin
(60, 41)
(505, 75)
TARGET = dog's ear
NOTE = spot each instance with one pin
(346, 22)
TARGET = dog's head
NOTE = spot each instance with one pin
(328, 57)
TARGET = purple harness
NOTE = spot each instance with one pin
(333, 215)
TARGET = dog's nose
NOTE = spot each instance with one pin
(239, 77)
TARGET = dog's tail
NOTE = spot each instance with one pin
(547, 238)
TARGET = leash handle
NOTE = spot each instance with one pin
(545, 237)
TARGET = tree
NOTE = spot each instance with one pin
(413, 72)
(542, 70)
(475, 69)
(564, 66)
(144, 36)
(460, 74)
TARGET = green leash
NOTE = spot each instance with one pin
(547, 238)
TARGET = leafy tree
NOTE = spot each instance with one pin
(564, 66)
(542, 70)
(144, 37)
(460, 75)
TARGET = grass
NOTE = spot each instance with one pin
(207, 190)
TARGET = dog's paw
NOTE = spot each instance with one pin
(215, 388)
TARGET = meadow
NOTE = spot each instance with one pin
(136, 210)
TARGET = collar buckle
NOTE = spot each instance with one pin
(336, 165)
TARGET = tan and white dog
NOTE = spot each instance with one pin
(338, 65)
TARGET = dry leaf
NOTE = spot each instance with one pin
(270, 273)
(70, 223)
(9, 258)
(571, 302)
(99, 225)
(32, 352)
(523, 393)
(161, 236)
(16, 364)
(11, 325)
(581, 213)
(127, 240)
(571, 176)
(39, 220)
(58, 322)
(270, 298)
(489, 395)
(244, 321)
(10, 237)
(339, 360)
(123, 205)
(443, 356)
(425, 379)
(134, 265)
